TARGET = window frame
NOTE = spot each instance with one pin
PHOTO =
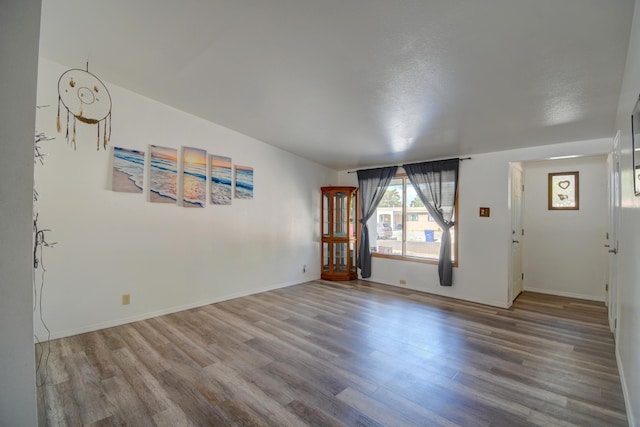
(433, 261)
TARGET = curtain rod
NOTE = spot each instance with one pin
(399, 166)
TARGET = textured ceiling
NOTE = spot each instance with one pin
(358, 83)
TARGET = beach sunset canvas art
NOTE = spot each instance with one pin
(128, 170)
(163, 175)
(221, 180)
(194, 177)
(244, 182)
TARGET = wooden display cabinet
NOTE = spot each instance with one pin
(339, 233)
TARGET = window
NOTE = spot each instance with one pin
(418, 237)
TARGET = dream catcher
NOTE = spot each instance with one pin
(86, 99)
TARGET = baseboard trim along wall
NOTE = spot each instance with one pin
(169, 310)
(625, 390)
(565, 294)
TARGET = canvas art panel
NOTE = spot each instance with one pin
(244, 182)
(564, 191)
(221, 180)
(163, 175)
(194, 177)
(128, 170)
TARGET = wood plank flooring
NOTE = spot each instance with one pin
(335, 354)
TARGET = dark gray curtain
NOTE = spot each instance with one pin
(373, 183)
(437, 185)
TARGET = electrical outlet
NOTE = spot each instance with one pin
(403, 282)
(126, 299)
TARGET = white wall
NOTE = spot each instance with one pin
(563, 251)
(167, 257)
(485, 243)
(19, 34)
(628, 332)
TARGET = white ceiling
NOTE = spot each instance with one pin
(358, 83)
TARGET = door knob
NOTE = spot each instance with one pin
(613, 251)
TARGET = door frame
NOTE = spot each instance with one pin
(615, 201)
(515, 167)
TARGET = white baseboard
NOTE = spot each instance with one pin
(168, 310)
(489, 302)
(565, 294)
(625, 390)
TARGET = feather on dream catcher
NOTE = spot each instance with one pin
(86, 99)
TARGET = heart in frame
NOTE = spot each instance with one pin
(564, 184)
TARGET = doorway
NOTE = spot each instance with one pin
(563, 252)
(517, 235)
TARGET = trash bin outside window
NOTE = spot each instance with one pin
(428, 235)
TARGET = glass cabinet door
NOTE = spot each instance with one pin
(340, 257)
(352, 216)
(326, 213)
(352, 255)
(326, 257)
(340, 214)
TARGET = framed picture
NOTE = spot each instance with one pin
(635, 146)
(564, 191)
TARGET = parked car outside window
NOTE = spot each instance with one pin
(384, 230)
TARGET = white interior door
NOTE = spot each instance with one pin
(516, 232)
(614, 221)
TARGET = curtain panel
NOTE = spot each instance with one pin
(436, 183)
(372, 185)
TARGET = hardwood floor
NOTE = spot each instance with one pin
(334, 354)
